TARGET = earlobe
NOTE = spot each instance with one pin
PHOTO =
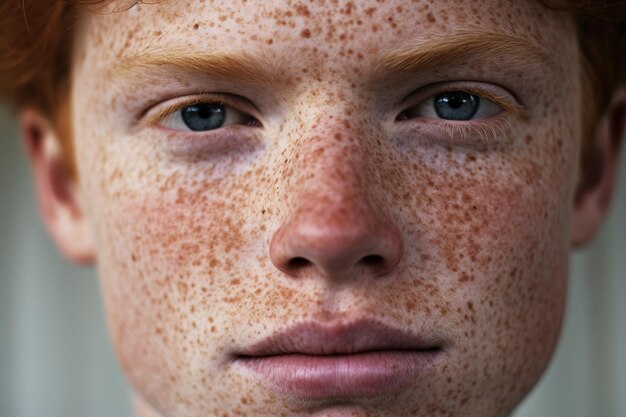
(593, 199)
(56, 189)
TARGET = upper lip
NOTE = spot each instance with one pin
(314, 338)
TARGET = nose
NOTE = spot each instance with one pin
(336, 228)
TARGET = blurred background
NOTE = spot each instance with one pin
(56, 359)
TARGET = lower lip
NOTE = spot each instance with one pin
(355, 375)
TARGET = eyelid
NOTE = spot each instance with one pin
(159, 113)
(481, 90)
(471, 134)
(477, 134)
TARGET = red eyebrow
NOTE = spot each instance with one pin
(242, 66)
(467, 45)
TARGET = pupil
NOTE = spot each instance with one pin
(204, 116)
(456, 105)
(455, 102)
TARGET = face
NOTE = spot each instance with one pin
(329, 208)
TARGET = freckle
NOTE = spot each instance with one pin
(529, 138)
(306, 33)
(196, 26)
(303, 10)
(465, 277)
(431, 18)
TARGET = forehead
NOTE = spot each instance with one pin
(315, 35)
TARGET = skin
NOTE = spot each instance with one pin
(194, 241)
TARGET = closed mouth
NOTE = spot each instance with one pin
(357, 359)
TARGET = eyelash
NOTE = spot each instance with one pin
(464, 132)
(503, 102)
(479, 132)
(166, 112)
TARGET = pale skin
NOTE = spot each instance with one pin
(461, 230)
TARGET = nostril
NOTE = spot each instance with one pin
(373, 261)
(320, 245)
(298, 263)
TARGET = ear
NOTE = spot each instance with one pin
(594, 199)
(56, 189)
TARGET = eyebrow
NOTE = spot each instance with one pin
(228, 66)
(472, 46)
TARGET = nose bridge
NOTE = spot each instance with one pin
(338, 169)
(334, 179)
(335, 225)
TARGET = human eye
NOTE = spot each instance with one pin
(454, 105)
(204, 113)
(462, 112)
(203, 125)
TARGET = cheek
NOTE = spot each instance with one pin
(494, 233)
(172, 259)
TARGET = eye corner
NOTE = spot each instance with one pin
(402, 116)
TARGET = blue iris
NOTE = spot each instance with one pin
(456, 105)
(204, 116)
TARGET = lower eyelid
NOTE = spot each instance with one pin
(210, 143)
(475, 134)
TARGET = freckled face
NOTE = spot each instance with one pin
(337, 187)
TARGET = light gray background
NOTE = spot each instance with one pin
(56, 359)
